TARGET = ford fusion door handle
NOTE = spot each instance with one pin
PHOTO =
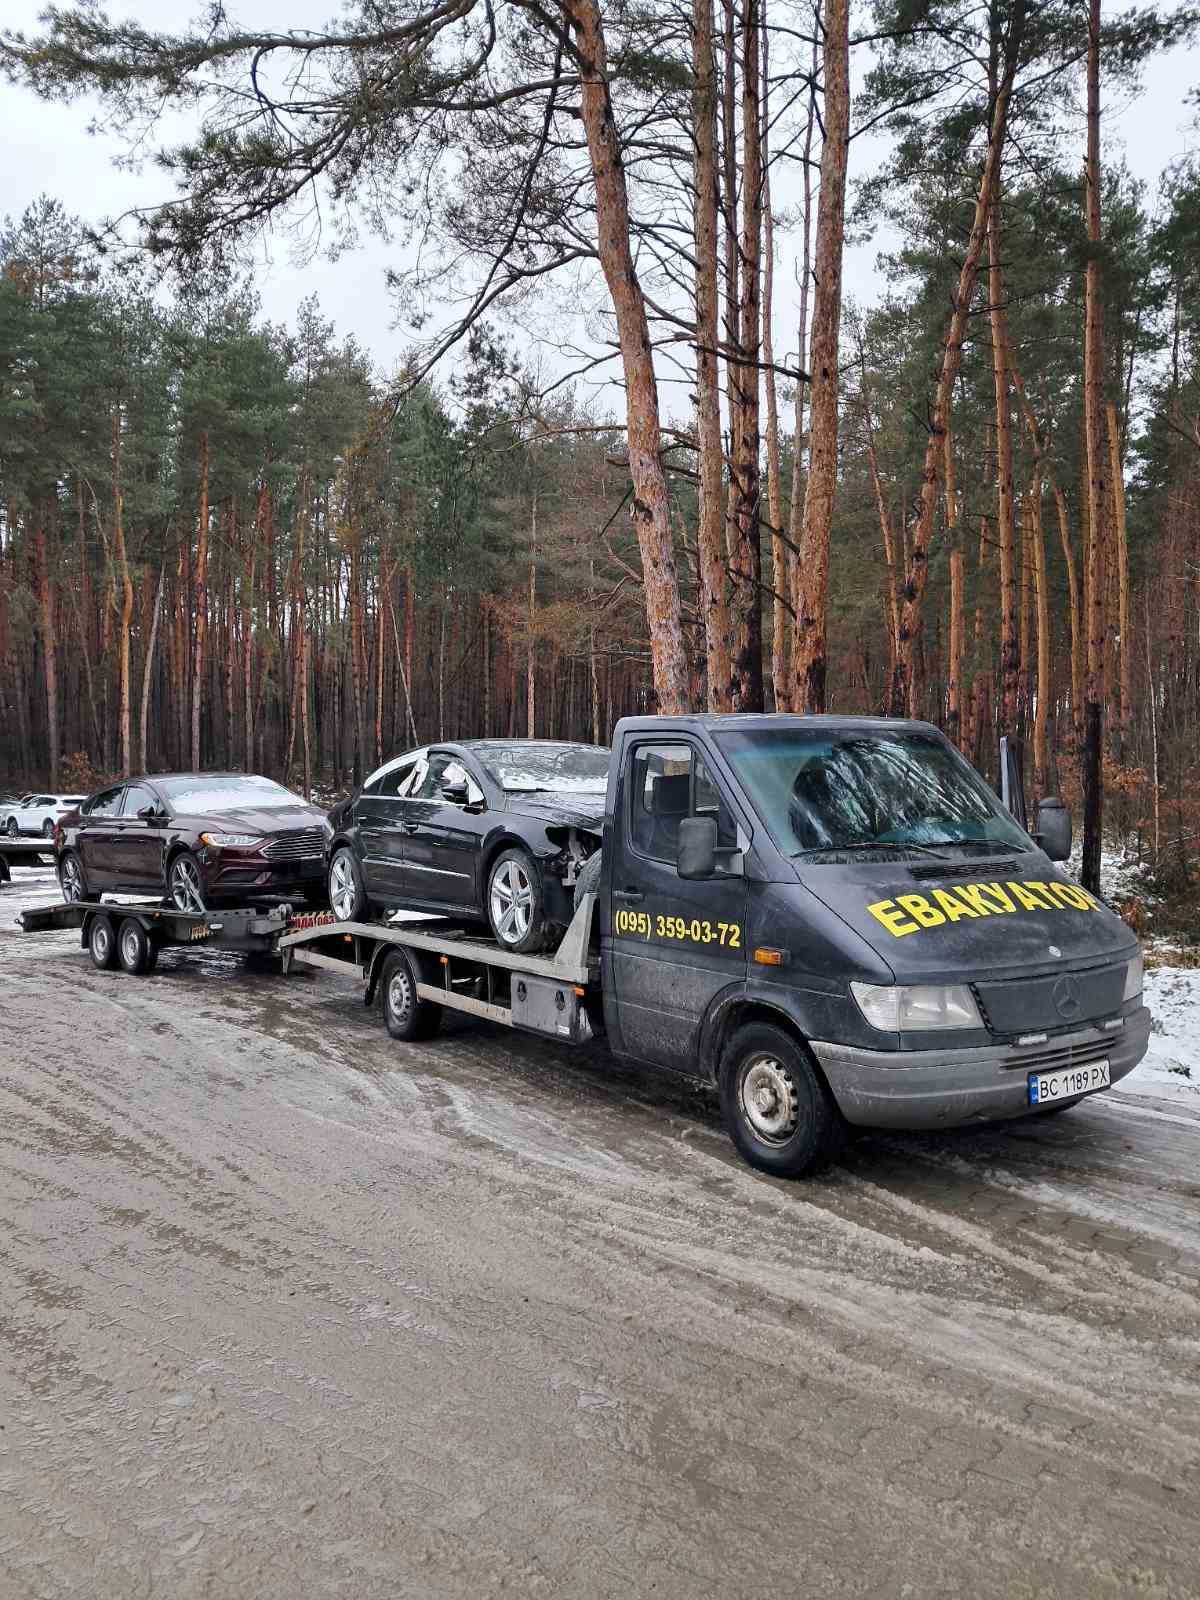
(633, 897)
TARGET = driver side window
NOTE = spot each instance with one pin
(671, 782)
(105, 804)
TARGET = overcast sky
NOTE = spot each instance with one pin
(47, 148)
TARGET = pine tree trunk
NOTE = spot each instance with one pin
(200, 604)
(650, 508)
(531, 628)
(1010, 661)
(1041, 709)
(904, 680)
(1077, 650)
(809, 656)
(780, 566)
(126, 624)
(49, 639)
(746, 484)
(710, 533)
(1093, 712)
(796, 507)
(1124, 706)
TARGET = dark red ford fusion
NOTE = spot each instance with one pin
(198, 839)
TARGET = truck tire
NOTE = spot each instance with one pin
(775, 1104)
(407, 1016)
(136, 950)
(102, 942)
(588, 881)
(514, 902)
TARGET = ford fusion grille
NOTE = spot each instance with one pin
(300, 844)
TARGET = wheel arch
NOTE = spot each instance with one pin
(738, 1010)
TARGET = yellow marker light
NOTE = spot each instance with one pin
(768, 958)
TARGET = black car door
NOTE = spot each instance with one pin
(443, 834)
(674, 943)
(98, 830)
(137, 844)
(379, 820)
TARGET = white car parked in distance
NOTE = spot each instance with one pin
(37, 813)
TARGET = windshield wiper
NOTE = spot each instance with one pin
(894, 845)
(997, 845)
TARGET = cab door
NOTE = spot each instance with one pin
(674, 943)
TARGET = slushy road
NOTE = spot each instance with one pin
(290, 1310)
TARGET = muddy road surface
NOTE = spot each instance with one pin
(291, 1310)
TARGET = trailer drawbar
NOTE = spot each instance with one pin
(834, 920)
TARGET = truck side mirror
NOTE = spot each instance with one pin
(696, 856)
(1053, 831)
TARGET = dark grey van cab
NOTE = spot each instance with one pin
(855, 882)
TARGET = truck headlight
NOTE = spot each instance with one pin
(917, 1007)
(1133, 978)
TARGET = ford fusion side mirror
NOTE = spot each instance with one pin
(696, 854)
(1053, 831)
(148, 814)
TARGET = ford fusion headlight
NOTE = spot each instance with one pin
(1133, 978)
(917, 1007)
(231, 841)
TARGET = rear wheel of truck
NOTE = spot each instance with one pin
(776, 1107)
(407, 1016)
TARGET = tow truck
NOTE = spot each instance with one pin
(834, 920)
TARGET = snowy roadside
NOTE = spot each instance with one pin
(1171, 1068)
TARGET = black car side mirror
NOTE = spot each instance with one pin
(1053, 831)
(148, 814)
(696, 854)
(456, 794)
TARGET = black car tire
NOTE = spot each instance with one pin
(407, 1016)
(102, 942)
(776, 1106)
(47, 829)
(184, 884)
(344, 883)
(588, 881)
(71, 879)
(514, 885)
(136, 950)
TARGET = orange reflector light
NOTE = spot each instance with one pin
(580, 992)
(768, 958)
(445, 960)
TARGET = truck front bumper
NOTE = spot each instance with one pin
(913, 1089)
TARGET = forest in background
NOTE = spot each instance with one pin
(226, 542)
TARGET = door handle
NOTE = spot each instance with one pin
(632, 896)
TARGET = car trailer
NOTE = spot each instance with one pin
(131, 936)
(22, 853)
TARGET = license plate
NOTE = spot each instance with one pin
(1045, 1088)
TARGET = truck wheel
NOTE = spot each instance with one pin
(514, 902)
(407, 1016)
(136, 950)
(776, 1107)
(102, 942)
(71, 879)
(588, 881)
(347, 896)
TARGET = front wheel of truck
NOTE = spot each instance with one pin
(775, 1104)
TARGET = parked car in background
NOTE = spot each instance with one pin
(494, 830)
(198, 839)
(37, 813)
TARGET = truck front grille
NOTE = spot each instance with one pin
(1051, 1058)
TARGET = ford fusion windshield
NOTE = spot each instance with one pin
(200, 795)
(831, 795)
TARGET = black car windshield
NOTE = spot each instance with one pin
(225, 792)
(527, 768)
(820, 790)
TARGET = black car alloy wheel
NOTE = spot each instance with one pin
(184, 884)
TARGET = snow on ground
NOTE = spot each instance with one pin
(1171, 1069)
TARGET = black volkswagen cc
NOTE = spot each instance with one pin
(494, 830)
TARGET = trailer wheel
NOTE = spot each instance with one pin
(407, 1016)
(136, 950)
(102, 942)
(776, 1107)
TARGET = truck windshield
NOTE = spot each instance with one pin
(856, 790)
